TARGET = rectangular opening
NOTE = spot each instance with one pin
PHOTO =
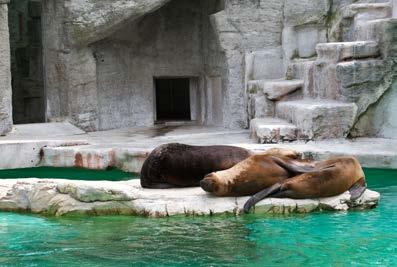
(172, 99)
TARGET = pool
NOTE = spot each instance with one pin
(320, 239)
(68, 173)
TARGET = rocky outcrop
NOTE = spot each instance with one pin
(63, 197)
(90, 21)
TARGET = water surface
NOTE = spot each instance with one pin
(362, 238)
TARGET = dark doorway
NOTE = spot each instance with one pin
(26, 61)
(173, 99)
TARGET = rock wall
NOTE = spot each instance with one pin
(380, 120)
(5, 72)
(101, 56)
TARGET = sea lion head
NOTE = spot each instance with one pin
(213, 184)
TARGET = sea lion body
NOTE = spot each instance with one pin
(255, 173)
(332, 177)
(179, 165)
(329, 178)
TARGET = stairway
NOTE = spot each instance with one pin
(318, 99)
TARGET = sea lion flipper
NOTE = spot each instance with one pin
(357, 189)
(292, 167)
(261, 195)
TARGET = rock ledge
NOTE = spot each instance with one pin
(65, 197)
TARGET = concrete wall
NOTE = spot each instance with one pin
(5, 72)
(166, 43)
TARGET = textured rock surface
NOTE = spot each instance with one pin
(272, 130)
(5, 72)
(319, 119)
(275, 89)
(62, 197)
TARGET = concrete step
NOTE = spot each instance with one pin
(302, 69)
(272, 130)
(367, 11)
(339, 51)
(332, 81)
(318, 119)
(274, 89)
(359, 17)
(368, 30)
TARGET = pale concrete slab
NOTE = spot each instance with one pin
(128, 148)
(45, 130)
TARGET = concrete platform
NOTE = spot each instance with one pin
(63, 197)
(128, 148)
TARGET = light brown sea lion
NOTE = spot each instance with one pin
(179, 165)
(330, 178)
(255, 173)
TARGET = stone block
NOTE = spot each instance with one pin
(361, 71)
(335, 52)
(272, 130)
(259, 106)
(303, 12)
(267, 64)
(275, 89)
(318, 119)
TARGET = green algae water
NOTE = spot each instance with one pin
(361, 238)
(67, 173)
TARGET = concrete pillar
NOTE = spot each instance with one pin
(5, 72)
(394, 6)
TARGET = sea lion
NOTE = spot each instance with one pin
(329, 178)
(256, 173)
(179, 165)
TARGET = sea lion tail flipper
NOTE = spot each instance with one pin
(292, 167)
(267, 192)
(358, 189)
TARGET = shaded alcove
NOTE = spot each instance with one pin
(26, 61)
(174, 44)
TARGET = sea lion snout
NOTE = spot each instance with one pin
(209, 183)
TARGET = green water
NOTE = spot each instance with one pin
(67, 173)
(365, 238)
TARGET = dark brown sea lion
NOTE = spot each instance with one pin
(330, 178)
(255, 173)
(179, 165)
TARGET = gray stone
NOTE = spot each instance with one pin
(318, 119)
(380, 120)
(5, 73)
(272, 130)
(275, 89)
(260, 106)
(367, 11)
(62, 197)
(298, 12)
(335, 52)
(267, 64)
(331, 77)
(364, 82)
(394, 6)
